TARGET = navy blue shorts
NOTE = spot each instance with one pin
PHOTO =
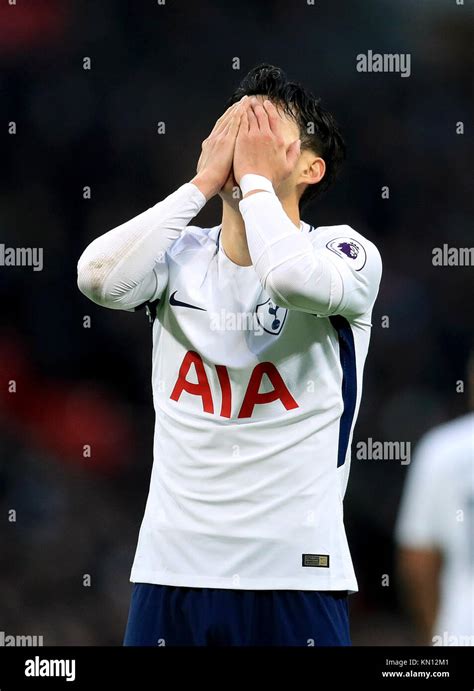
(165, 615)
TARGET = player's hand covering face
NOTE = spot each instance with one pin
(214, 167)
(262, 146)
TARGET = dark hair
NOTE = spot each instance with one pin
(305, 109)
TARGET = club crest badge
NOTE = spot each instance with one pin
(349, 249)
(271, 317)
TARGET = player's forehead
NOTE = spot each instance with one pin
(290, 126)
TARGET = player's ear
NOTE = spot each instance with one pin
(312, 168)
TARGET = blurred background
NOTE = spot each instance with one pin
(73, 374)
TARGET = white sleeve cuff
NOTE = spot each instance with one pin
(196, 194)
(250, 182)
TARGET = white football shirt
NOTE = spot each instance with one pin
(437, 512)
(257, 380)
(255, 406)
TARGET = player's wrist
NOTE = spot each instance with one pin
(206, 183)
(255, 182)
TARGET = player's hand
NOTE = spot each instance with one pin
(215, 163)
(260, 147)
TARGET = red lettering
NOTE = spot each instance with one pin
(202, 388)
(253, 397)
(224, 381)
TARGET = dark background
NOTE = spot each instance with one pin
(151, 63)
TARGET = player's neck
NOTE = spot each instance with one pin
(292, 210)
(233, 237)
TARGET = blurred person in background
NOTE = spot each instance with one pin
(435, 532)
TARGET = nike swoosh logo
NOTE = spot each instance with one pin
(178, 303)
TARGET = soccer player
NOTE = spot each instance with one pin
(261, 329)
(435, 533)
